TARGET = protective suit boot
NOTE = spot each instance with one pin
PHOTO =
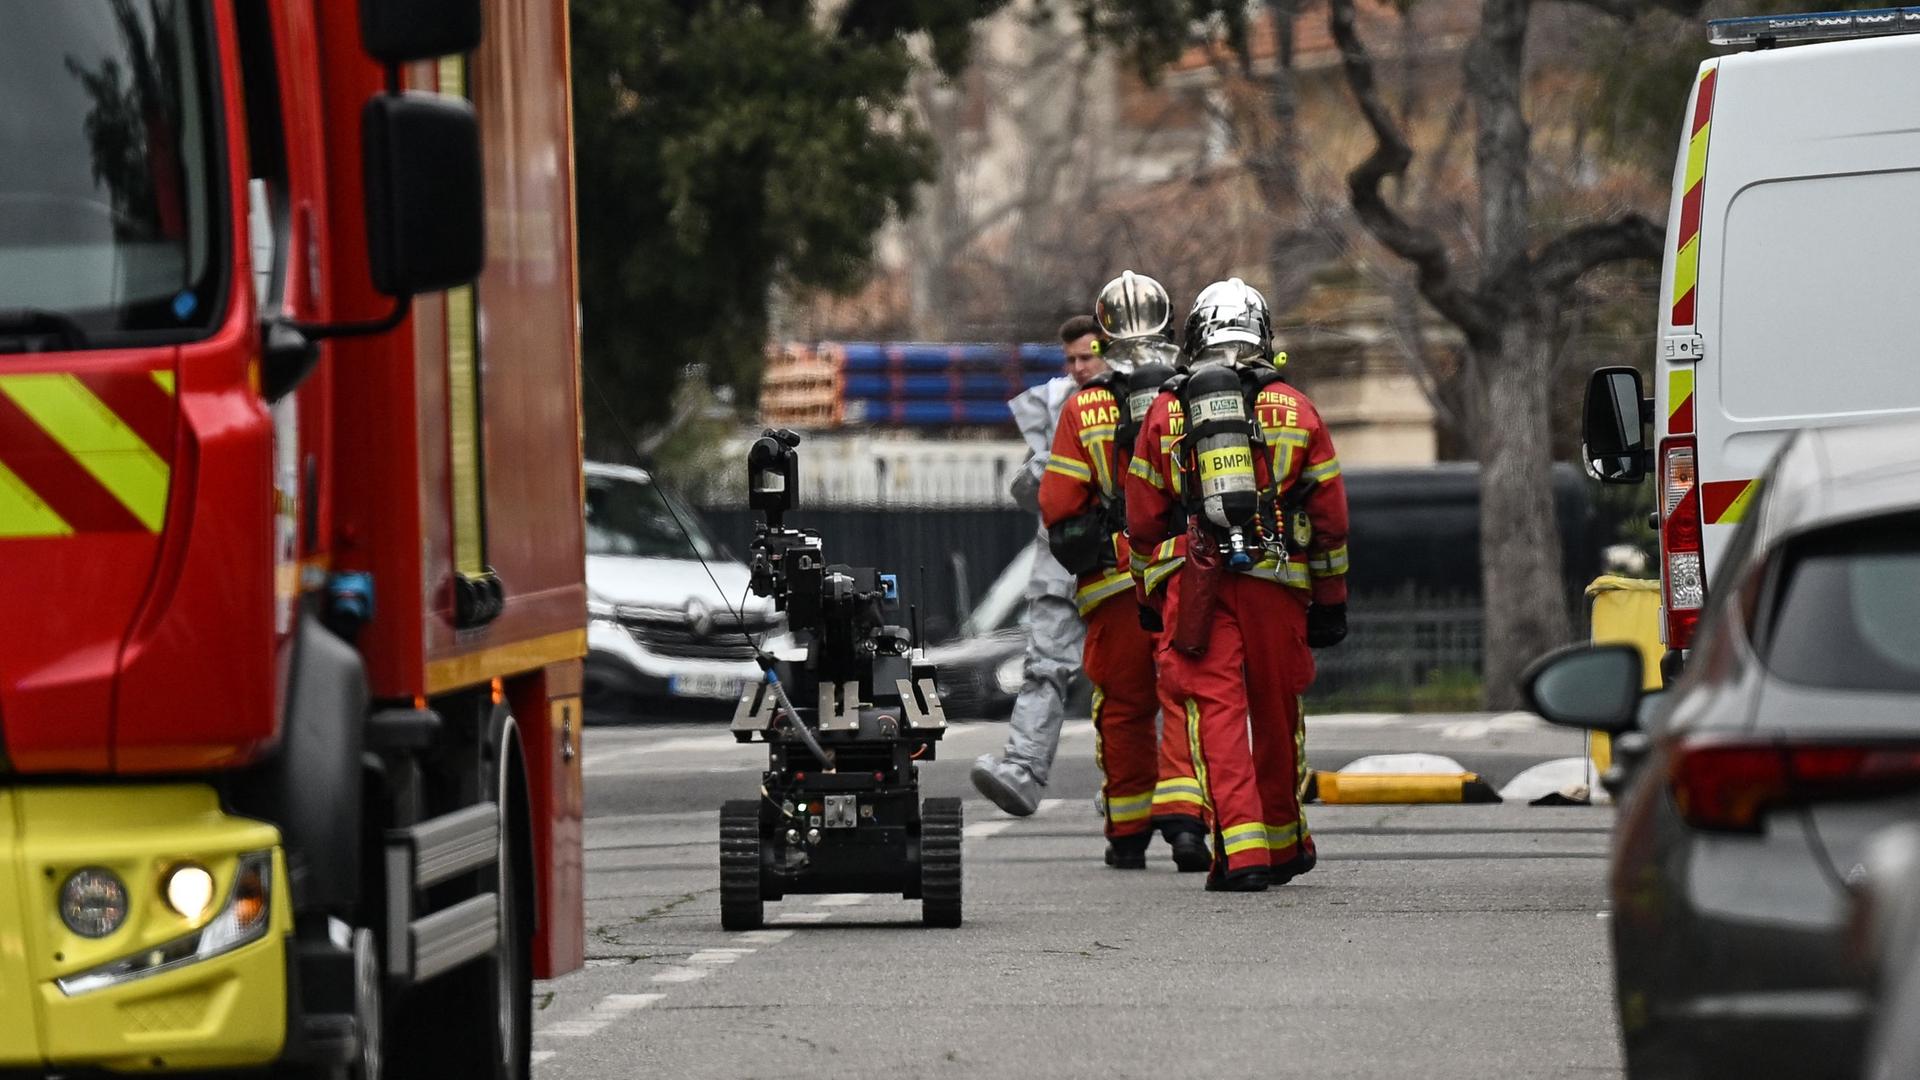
(1247, 879)
(1190, 852)
(1128, 852)
(1006, 785)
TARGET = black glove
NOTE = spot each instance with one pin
(1326, 625)
(1150, 620)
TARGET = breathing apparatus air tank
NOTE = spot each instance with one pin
(1221, 435)
(1143, 386)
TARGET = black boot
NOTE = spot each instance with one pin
(1293, 868)
(1247, 879)
(1128, 852)
(1190, 852)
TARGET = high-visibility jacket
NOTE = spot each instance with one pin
(1300, 456)
(1084, 475)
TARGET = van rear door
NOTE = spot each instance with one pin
(1809, 250)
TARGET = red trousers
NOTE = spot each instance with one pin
(1149, 779)
(1241, 700)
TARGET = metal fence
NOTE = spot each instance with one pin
(1403, 653)
(946, 557)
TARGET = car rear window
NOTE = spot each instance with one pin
(1848, 612)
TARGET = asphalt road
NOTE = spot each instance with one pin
(1433, 942)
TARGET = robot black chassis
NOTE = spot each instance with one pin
(847, 717)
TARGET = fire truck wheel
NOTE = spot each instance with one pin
(741, 907)
(940, 862)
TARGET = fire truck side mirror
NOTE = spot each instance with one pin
(399, 31)
(426, 218)
(1614, 436)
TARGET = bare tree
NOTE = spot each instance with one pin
(1506, 295)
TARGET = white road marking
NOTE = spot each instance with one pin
(718, 956)
(764, 937)
(618, 1004)
(573, 1029)
(803, 916)
(981, 829)
(677, 974)
(843, 899)
(1048, 805)
(542, 1056)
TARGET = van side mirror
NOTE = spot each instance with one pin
(1614, 444)
(1593, 687)
(426, 218)
(399, 31)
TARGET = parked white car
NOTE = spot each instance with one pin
(667, 637)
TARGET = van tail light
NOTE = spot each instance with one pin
(1727, 787)
(1682, 553)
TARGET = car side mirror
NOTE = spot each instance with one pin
(1613, 437)
(399, 31)
(1593, 687)
(426, 218)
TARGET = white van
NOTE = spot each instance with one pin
(1791, 290)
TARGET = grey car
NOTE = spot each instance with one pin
(1751, 788)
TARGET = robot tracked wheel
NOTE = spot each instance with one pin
(839, 807)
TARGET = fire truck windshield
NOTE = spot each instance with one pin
(107, 224)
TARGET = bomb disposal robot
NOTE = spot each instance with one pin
(839, 808)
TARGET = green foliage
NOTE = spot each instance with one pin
(724, 149)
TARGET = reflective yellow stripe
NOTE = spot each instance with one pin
(107, 448)
(1324, 471)
(1171, 797)
(1144, 471)
(1177, 783)
(1244, 837)
(22, 514)
(1130, 808)
(1066, 466)
(1282, 836)
(1679, 389)
(163, 379)
(1157, 574)
(1199, 759)
(1329, 563)
(1294, 574)
(1113, 584)
(1697, 156)
(1291, 436)
(1686, 269)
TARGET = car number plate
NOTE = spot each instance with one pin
(704, 685)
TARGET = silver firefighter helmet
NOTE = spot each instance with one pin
(1133, 306)
(1230, 321)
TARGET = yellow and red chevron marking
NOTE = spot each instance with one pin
(1725, 502)
(1686, 262)
(1680, 401)
(84, 453)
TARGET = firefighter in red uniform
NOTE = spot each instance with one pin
(1237, 519)
(1149, 780)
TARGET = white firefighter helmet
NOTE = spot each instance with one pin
(1230, 321)
(1132, 306)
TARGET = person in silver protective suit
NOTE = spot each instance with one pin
(1055, 632)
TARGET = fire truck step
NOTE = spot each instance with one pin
(452, 844)
(446, 939)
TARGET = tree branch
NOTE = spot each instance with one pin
(1570, 255)
(1629, 10)
(1391, 155)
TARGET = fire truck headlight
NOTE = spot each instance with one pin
(189, 891)
(93, 902)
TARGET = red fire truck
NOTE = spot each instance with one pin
(291, 610)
